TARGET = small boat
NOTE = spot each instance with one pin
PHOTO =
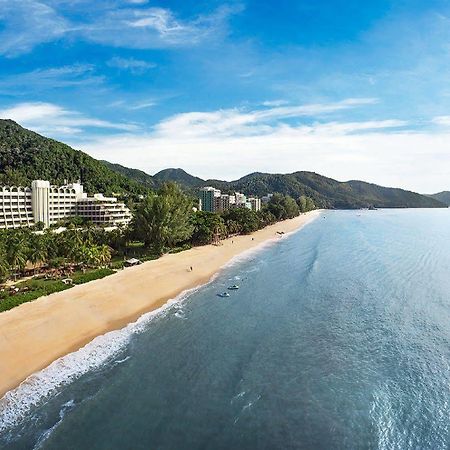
(224, 294)
(235, 287)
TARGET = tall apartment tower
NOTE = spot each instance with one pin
(208, 197)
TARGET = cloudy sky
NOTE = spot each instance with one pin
(348, 89)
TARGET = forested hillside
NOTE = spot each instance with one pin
(328, 193)
(27, 156)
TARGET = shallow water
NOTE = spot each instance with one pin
(339, 337)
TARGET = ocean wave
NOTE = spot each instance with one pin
(17, 403)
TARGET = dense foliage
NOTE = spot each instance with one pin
(89, 247)
(178, 176)
(27, 156)
(136, 175)
(162, 219)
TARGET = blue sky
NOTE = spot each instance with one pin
(344, 88)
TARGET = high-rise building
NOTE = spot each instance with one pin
(208, 197)
(213, 200)
(25, 206)
(221, 203)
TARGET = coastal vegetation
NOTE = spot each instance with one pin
(51, 260)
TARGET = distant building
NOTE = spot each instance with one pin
(221, 203)
(25, 206)
(255, 203)
(241, 199)
(266, 198)
(208, 197)
(212, 200)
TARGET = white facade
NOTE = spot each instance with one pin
(24, 206)
(104, 210)
(255, 203)
(16, 207)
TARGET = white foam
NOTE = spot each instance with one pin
(15, 404)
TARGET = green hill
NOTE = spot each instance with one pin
(133, 174)
(179, 176)
(27, 156)
(443, 197)
(326, 192)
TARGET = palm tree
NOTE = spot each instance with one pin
(38, 253)
(4, 266)
(16, 251)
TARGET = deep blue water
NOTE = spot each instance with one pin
(339, 338)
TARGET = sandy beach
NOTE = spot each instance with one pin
(35, 334)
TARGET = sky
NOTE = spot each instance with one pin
(344, 88)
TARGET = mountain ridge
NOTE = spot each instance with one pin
(443, 197)
(26, 155)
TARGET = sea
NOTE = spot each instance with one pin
(337, 338)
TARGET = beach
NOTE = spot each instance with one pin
(35, 334)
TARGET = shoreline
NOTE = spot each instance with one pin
(35, 334)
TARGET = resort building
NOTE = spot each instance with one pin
(102, 210)
(26, 206)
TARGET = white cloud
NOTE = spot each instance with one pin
(53, 119)
(232, 122)
(51, 78)
(441, 120)
(416, 161)
(275, 102)
(134, 65)
(28, 23)
(143, 105)
(31, 22)
(227, 144)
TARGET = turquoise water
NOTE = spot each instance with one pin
(339, 338)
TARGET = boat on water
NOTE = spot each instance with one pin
(223, 294)
(235, 287)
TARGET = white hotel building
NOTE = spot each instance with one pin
(26, 206)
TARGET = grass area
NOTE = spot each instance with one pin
(40, 287)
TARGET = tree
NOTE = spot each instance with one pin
(163, 219)
(283, 207)
(241, 220)
(4, 266)
(37, 251)
(16, 250)
(205, 226)
(306, 204)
